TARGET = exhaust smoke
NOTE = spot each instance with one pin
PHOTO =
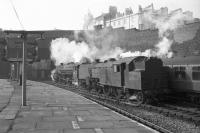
(104, 44)
(166, 27)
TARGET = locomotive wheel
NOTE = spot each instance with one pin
(106, 91)
(140, 98)
(99, 90)
(137, 98)
(117, 93)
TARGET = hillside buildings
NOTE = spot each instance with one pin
(140, 20)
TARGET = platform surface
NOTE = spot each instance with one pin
(54, 110)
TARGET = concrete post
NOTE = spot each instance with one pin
(24, 72)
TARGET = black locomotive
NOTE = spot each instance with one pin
(137, 79)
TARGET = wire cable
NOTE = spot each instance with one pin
(13, 6)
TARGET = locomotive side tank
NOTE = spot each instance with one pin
(84, 74)
(134, 78)
(107, 76)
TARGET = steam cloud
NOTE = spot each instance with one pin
(64, 51)
(166, 26)
(99, 44)
(88, 20)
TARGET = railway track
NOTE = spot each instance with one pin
(132, 111)
(130, 115)
(185, 113)
(191, 114)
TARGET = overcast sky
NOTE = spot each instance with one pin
(69, 14)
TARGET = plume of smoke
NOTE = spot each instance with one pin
(112, 53)
(64, 51)
(147, 53)
(169, 22)
(88, 21)
(163, 48)
(104, 44)
(91, 45)
(166, 25)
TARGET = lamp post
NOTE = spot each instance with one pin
(24, 36)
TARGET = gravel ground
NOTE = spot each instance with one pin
(172, 124)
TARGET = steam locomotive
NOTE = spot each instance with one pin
(136, 79)
(63, 73)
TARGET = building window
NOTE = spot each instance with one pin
(116, 68)
(179, 73)
(196, 73)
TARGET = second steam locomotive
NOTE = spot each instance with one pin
(136, 79)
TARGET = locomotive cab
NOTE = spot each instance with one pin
(145, 79)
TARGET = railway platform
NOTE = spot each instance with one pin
(54, 110)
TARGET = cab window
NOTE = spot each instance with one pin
(116, 68)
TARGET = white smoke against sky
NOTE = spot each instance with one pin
(99, 44)
(88, 21)
(89, 43)
(64, 51)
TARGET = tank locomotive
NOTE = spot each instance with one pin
(64, 73)
(138, 79)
